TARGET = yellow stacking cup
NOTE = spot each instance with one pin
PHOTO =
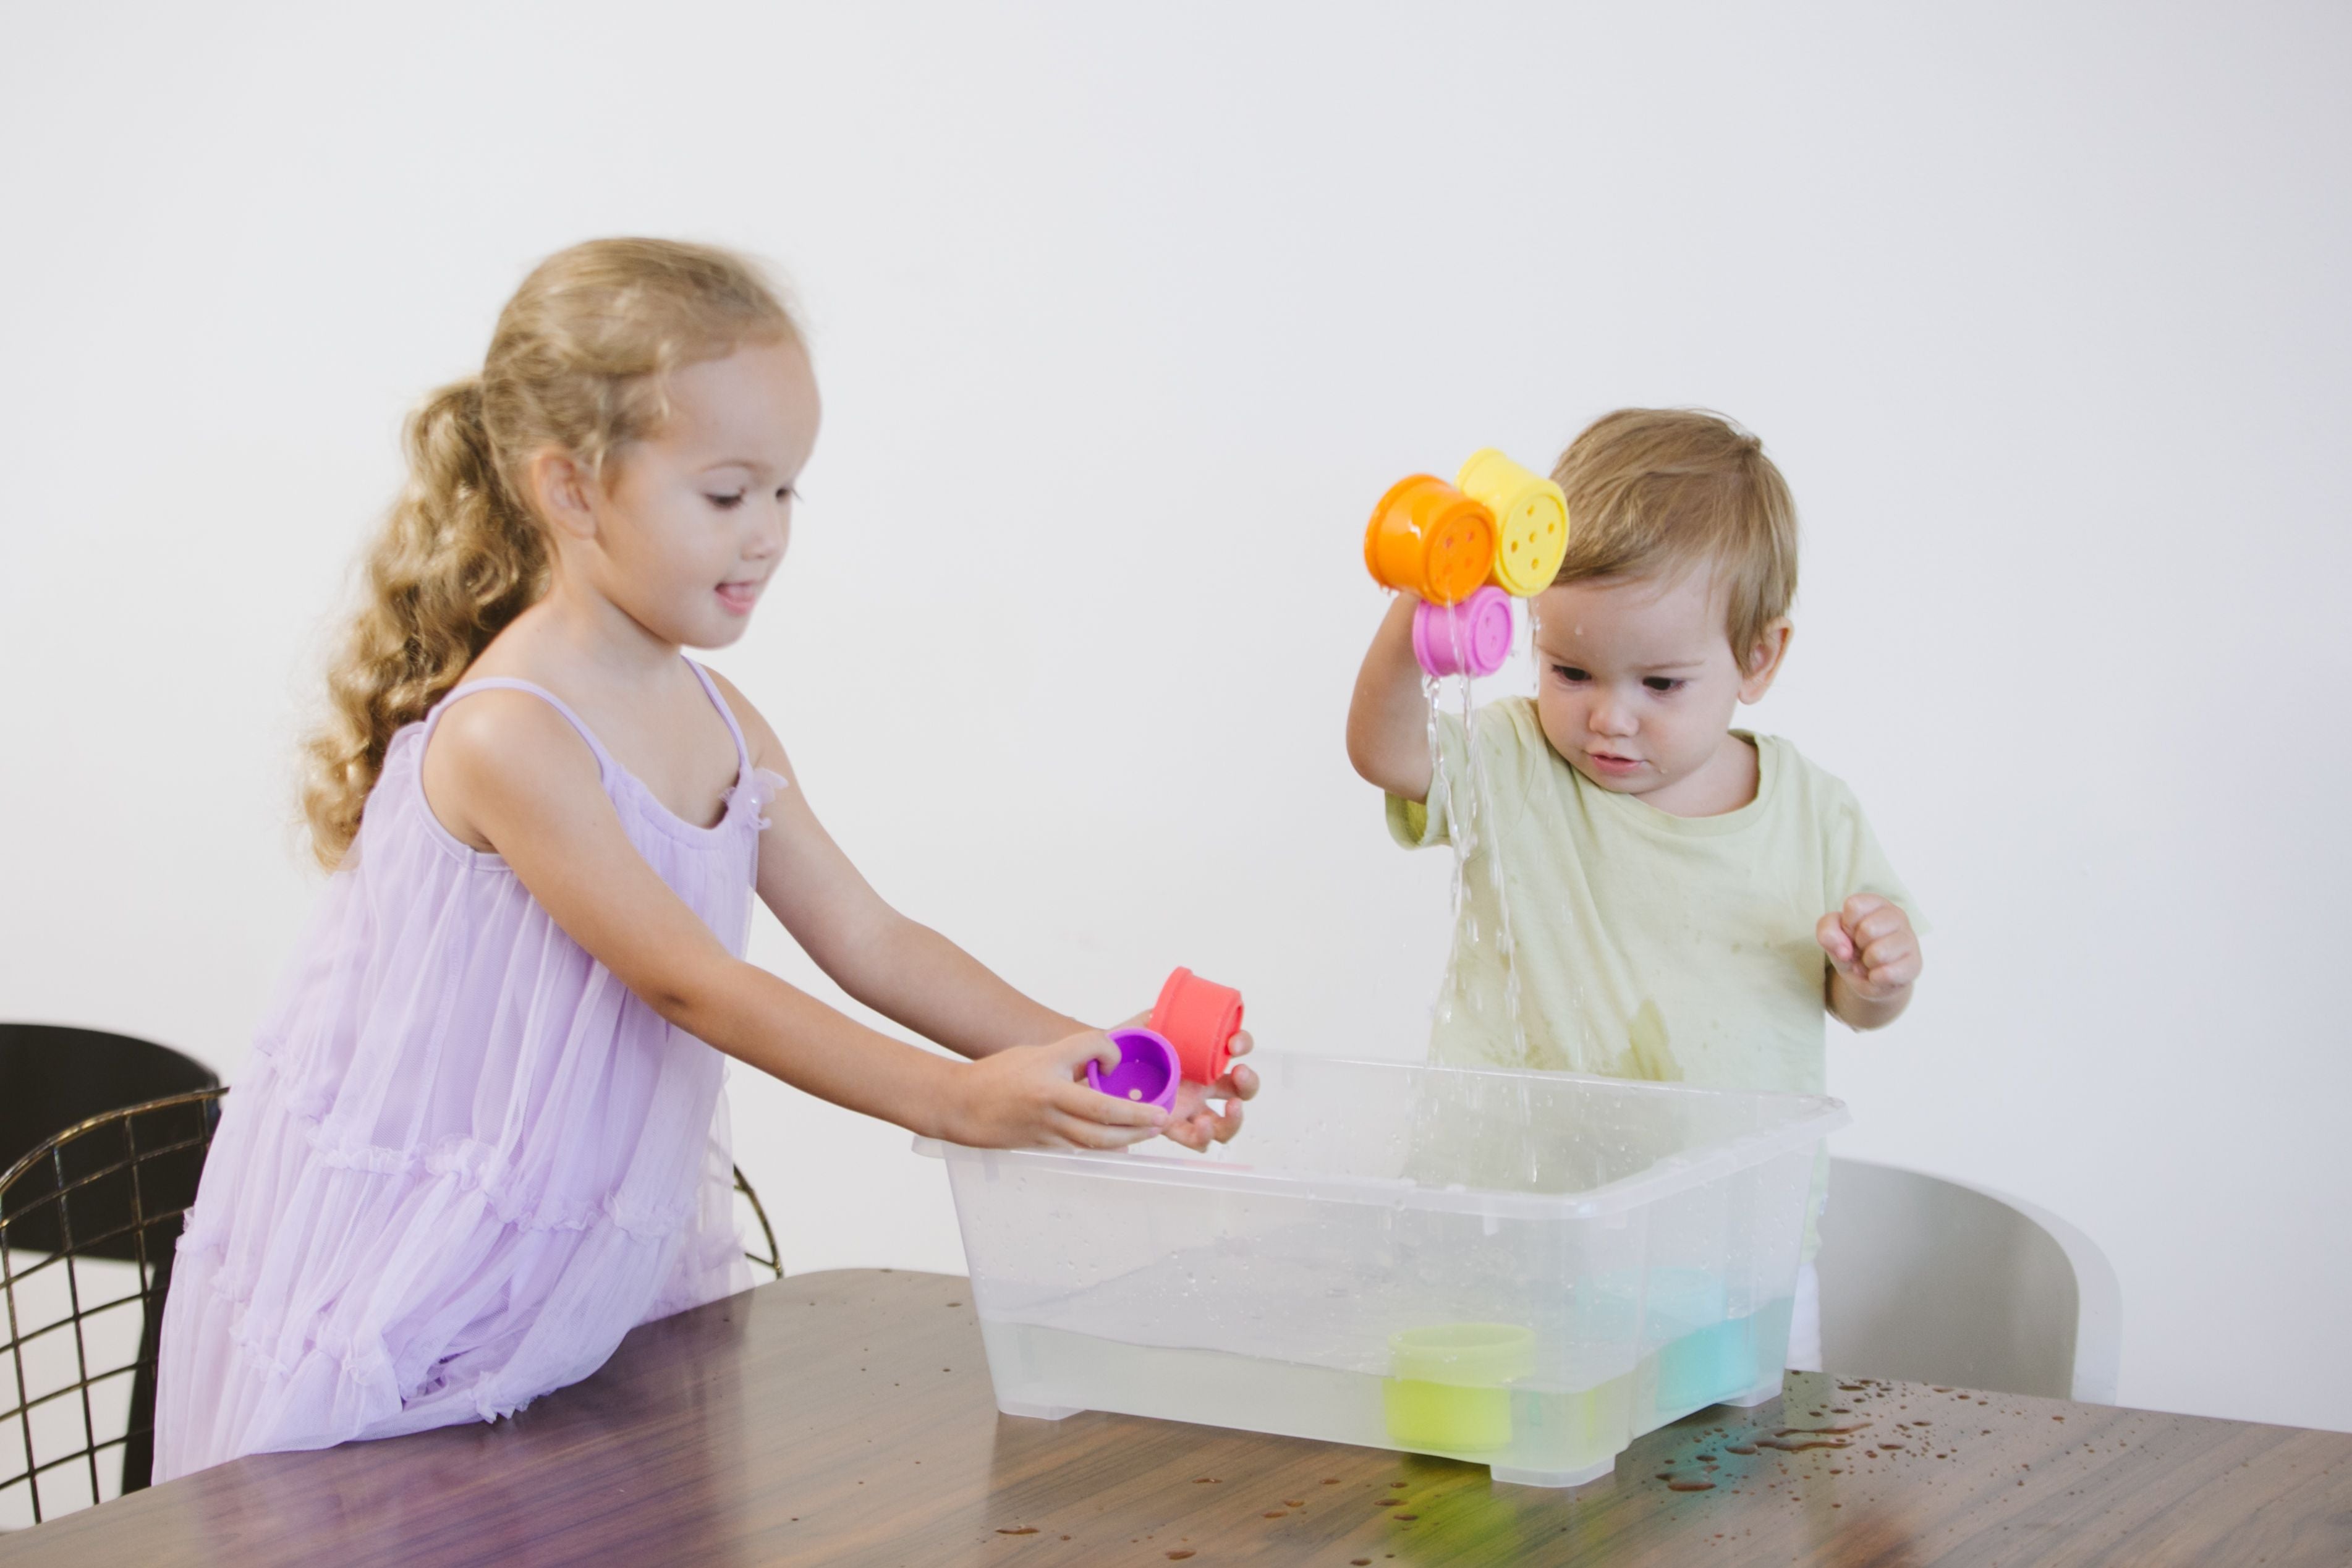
(1530, 520)
(1449, 1387)
(1427, 538)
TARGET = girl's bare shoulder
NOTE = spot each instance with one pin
(499, 744)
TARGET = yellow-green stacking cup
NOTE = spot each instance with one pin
(1449, 1390)
(1530, 520)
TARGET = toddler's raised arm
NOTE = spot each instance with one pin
(1388, 719)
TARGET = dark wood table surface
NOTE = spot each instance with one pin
(846, 1417)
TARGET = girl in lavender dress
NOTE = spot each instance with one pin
(482, 1132)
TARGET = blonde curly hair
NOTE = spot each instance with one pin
(580, 360)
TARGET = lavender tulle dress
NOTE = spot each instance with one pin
(464, 1159)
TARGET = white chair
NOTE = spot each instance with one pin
(1937, 1281)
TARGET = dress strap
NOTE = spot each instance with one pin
(605, 766)
(742, 747)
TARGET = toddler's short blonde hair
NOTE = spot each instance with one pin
(1654, 491)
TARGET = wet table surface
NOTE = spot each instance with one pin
(848, 1417)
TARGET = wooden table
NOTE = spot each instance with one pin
(846, 1417)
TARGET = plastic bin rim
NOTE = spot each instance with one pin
(1821, 1116)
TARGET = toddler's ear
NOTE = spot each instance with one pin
(1763, 664)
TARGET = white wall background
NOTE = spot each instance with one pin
(1124, 316)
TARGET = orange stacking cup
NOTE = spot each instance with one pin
(1199, 1019)
(1429, 539)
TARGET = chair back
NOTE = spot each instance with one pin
(53, 1078)
(102, 1142)
(772, 1260)
(1938, 1281)
(103, 1139)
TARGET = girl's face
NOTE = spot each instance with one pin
(694, 518)
(1637, 684)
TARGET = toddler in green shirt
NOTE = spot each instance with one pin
(1683, 900)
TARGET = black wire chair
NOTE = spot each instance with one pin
(111, 1189)
(88, 1216)
(774, 1261)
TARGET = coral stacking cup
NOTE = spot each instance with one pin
(1471, 638)
(1199, 1019)
(1429, 539)
(1530, 520)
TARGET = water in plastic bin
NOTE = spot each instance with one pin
(1548, 1436)
(1520, 1269)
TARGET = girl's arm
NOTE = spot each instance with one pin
(510, 769)
(1388, 720)
(902, 969)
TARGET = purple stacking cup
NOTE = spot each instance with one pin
(1146, 1073)
(1471, 638)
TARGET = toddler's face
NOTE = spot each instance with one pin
(1636, 683)
(697, 516)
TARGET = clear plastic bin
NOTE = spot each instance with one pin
(1523, 1269)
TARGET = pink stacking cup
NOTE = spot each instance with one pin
(1471, 638)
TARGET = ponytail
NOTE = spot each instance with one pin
(456, 562)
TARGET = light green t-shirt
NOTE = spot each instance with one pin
(1649, 946)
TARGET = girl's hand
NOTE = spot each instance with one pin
(1036, 1097)
(1871, 945)
(1195, 1124)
